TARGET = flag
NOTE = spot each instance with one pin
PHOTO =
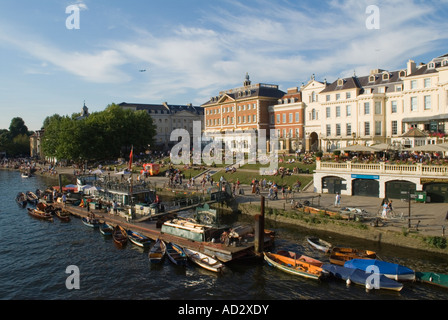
(130, 158)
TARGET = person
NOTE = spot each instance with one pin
(385, 210)
(390, 205)
(64, 199)
(115, 207)
(337, 201)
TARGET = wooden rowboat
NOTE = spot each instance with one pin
(319, 244)
(340, 255)
(300, 257)
(40, 214)
(31, 198)
(64, 216)
(204, 261)
(139, 239)
(294, 266)
(106, 229)
(157, 252)
(91, 222)
(120, 235)
(176, 254)
(21, 200)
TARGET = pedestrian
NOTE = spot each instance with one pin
(64, 199)
(385, 210)
(337, 201)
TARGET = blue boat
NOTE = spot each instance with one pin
(360, 277)
(391, 270)
(106, 229)
(176, 254)
(139, 239)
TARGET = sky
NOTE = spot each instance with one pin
(51, 61)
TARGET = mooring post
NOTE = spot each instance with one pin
(259, 230)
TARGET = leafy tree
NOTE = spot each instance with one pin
(17, 127)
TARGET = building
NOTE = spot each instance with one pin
(167, 118)
(287, 118)
(382, 107)
(35, 144)
(240, 109)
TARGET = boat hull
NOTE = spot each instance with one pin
(91, 223)
(40, 214)
(292, 266)
(139, 239)
(434, 278)
(362, 278)
(391, 270)
(176, 254)
(204, 260)
(319, 244)
(120, 235)
(157, 252)
(339, 255)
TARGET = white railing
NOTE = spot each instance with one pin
(383, 168)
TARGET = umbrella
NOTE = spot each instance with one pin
(381, 146)
(430, 148)
(358, 148)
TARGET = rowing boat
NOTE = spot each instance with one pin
(294, 266)
(21, 200)
(64, 216)
(300, 257)
(204, 261)
(340, 255)
(438, 279)
(391, 270)
(157, 251)
(139, 239)
(120, 235)
(91, 222)
(176, 254)
(106, 229)
(319, 244)
(31, 198)
(40, 214)
(363, 278)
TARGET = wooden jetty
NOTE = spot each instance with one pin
(225, 253)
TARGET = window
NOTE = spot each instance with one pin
(313, 114)
(328, 97)
(385, 76)
(239, 119)
(348, 110)
(377, 128)
(367, 128)
(297, 117)
(284, 118)
(348, 129)
(248, 119)
(427, 82)
(291, 118)
(399, 88)
(414, 84)
(278, 118)
(414, 104)
(328, 130)
(377, 107)
(394, 106)
(367, 108)
(394, 128)
(372, 78)
(338, 111)
(272, 119)
(338, 96)
(313, 97)
(427, 102)
(338, 129)
(328, 112)
(255, 118)
(348, 95)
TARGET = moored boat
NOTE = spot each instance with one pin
(319, 244)
(120, 235)
(31, 198)
(139, 239)
(300, 257)
(21, 200)
(391, 270)
(294, 266)
(40, 214)
(176, 254)
(106, 229)
(204, 261)
(91, 222)
(438, 279)
(157, 251)
(64, 216)
(339, 255)
(363, 278)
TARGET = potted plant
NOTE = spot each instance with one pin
(319, 155)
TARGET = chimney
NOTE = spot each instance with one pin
(411, 67)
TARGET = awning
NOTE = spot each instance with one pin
(427, 119)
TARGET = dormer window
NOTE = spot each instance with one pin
(386, 76)
(431, 65)
(340, 82)
(445, 63)
(402, 74)
(372, 78)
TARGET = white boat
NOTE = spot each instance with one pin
(204, 260)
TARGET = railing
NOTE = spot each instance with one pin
(383, 168)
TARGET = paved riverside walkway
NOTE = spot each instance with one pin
(430, 217)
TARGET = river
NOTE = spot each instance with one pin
(35, 255)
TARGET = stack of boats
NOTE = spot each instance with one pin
(361, 267)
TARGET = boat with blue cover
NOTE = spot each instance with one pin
(363, 278)
(435, 278)
(391, 270)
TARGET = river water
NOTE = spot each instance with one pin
(34, 256)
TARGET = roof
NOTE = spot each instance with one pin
(170, 109)
(415, 133)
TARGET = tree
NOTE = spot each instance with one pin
(17, 127)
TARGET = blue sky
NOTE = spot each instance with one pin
(192, 49)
